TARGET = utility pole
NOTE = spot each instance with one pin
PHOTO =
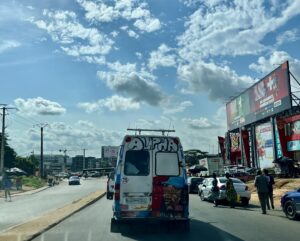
(83, 164)
(65, 158)
(42, 126)
(4, 108)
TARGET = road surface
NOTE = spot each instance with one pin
(207, 223)
(26, 207)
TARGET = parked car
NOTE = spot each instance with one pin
(240, 187)
(290, 203)
(110, 186)
(74, 180)
(193, 183)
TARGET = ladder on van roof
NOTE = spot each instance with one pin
(163, 131)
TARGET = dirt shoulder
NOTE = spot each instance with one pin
(282, 185)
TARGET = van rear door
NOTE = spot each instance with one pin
(136, 180)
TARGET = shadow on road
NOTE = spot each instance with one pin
(163, 231)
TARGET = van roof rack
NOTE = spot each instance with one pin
(163, 131)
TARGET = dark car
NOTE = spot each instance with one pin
(193, 183)
(74, 180)
(290, 204)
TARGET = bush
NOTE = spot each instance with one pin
(33, 181)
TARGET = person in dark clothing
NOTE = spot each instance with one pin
(261, 184)
(270, 188)
(231, 194)
(215, 190)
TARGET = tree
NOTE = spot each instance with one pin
(26, 164)
(9, 153)
(192, 156)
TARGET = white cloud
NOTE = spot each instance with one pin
(76, 40)
(287, 36)
(6, 45)
(200, 123)
(133, 34)
(114, 103)
(219, 83)
(121, 9)
(148, 24)
(39, 106)
(138, 85)
(139, 55)
(233, 29)
(162, 57)
(177, 108)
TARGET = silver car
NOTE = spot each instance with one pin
(244, 195)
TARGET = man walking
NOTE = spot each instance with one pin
(270, 188)
(261, 184)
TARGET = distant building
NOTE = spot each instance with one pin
(55, 163)
(90, 162)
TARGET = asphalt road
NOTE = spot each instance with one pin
(26, 207)
(207, 223)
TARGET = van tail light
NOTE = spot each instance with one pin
(246, 188)
(128, 139)
(176, 141)
(223, 187)
(117, 192)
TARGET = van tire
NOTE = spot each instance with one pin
(114, 226)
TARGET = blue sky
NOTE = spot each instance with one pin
(91, 69)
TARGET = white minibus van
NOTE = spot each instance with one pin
(150, 181)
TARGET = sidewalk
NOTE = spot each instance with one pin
(25, 191)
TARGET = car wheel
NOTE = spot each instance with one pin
(245, 201)
(290, 210)
(202, 196)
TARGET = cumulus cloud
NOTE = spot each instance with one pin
(200, 123)
(265, 65)
(75, 39)
(287, 36)
(177, 108)
(114, 103)
(8, 44)
(39, 106)
(138, 85)
(219, 28)
(218, 82)
(162, 57)
(121, 9)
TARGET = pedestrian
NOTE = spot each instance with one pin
(261, 184)
(215, 190)
(18, 183)
(7, 184)
(231, 194)
(271, 182)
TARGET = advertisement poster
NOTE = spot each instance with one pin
(110, 151)
(294, 143)
(278, 144)
(235, 142)
(267, 97)
(264, 145)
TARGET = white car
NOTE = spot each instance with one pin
(241, 188)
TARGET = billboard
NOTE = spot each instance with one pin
(267, 97)
(264, 145)
(109, 151)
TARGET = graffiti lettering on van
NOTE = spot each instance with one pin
(157, 144)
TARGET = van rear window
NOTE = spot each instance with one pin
(137, 163)
(166, 164)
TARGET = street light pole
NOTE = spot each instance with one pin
(42, 126)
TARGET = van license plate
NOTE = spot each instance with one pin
(136, 200)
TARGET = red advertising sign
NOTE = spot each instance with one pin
(267, 97)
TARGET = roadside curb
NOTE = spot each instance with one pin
(30, 230)
(33, 191)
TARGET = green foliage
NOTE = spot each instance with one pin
(33, 181)
(192, 156)
(9, 153)
(26, 164)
